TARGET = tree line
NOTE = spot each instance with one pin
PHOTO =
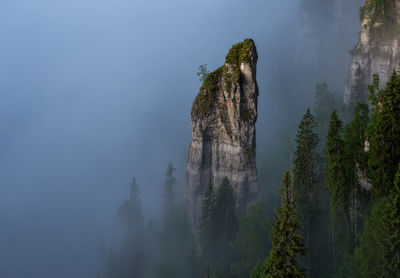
(339, 212)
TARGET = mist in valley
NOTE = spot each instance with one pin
(94, 93)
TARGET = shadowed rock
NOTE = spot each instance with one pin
(223, 120)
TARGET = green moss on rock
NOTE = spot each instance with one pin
(240, 52)
(208, 93)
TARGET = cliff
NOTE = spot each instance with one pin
(223, 120)
(377, 51)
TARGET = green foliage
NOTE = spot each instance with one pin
(207, 97)
(130, 212)
(218, 227)
(305, 178)
(225, 209)
(169, 195)
(287, 243)
(240, 52)
(207, 233)
(378, 254)
(373, 91)
(384, 137)
(378, 11)
(357, 90)
(251, 244)
(356, 160)
(324, 103)
(131, 258)
(338, 188)
(208, 94)
(203, 72)
(354, 140)
(366, 258)
(390, 224)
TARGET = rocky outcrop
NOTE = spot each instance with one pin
(223, 120)
(377, 52)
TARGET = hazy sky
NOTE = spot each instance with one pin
(93, 92)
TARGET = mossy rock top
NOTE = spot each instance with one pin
(208, 95)
(240, 52)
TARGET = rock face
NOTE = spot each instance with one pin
(223, 120)
(377, 52)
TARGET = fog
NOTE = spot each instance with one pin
(95, 92)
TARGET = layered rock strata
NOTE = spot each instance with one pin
(377, 51)
(223, 120)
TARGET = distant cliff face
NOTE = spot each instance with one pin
(223, 120)
(378, 49)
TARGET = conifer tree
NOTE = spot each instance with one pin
(324, 102)
(305, 178)
(390, 242)
(223, 230)
(130, 261)
(357, 90)
(287, 243)
(251, 244)
(337, 187)
(225, 209)
(378, 254)
(385, 137)
(169, 196)
(207, 224)
(356, 160)
(130, 212)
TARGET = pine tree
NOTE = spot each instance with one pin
(207, 223)
(225, 225)
(287, 243)
(225, 211)
(385, 137)
(130, 212)
(390, 242)
(324, 102)
(251, 244)
(130, 262)
(305, 178)
(169, 196)
(357, 90)
(339, 192)
(356, 160)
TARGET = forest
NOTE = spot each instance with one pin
(99, 176)
(337, 212)
(330, 222)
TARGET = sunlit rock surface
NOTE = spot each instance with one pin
(223, 120)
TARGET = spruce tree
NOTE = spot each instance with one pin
(378, 254)
(207, 223)
(226, 224)
(130, 261)
(385, 137)
(305, 178)
(251, 244)
(390, 242)
(357, 90)
(287, 242)
(356, 160)
(169, 196)
(324, 102)
(337, 187)
(130, 212)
